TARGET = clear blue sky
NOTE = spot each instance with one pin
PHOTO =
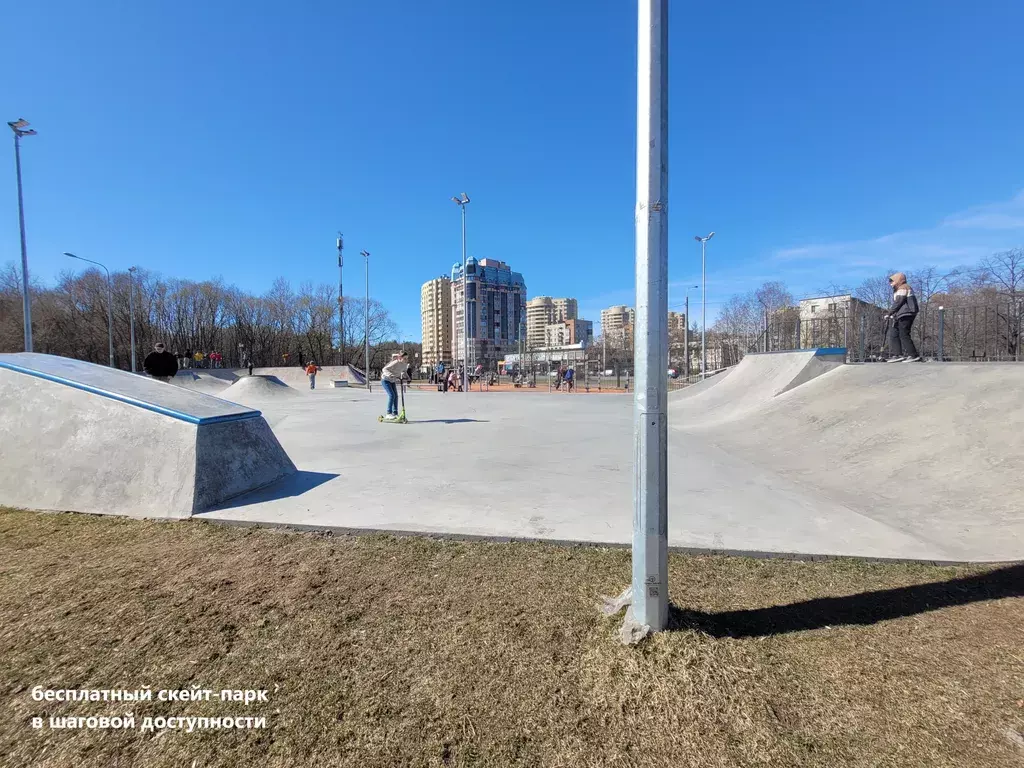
(822, 141)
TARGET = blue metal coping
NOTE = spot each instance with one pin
(197, 420)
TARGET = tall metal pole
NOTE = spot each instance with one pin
(110, 303)
(366, 321)
(341, 301)
(19, 128)
(131, 312)
(649, 609)
(686, 339)
(703, 310)
(110, 316)
(465, 308)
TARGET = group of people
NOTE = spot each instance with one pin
(190, 359)
(446, 380)
(566, 375)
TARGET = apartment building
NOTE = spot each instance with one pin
(617, 322)
(542, 311)
(568, 332)
(496, 298)
(436, 318)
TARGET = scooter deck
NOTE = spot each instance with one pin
(400, 420)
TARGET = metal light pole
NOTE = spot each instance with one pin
(19, 127)
(462, 202)
(649, 609)
(341, 301)
(131, 310)
(110, 303)
(703, 304)
(366, 321)
(686, 330)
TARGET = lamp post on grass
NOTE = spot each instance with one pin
(110, 303)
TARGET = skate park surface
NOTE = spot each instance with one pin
(905, 461)
(789, 453)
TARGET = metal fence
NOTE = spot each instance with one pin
(970, 333)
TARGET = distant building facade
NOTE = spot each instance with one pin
(676, 322)
(568, 332)
(436, 318)
(496, 297)
(617, 323)
(835, 321)
(542, 311)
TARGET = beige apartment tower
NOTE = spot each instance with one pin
(436, 314)
(543, 311)
(617, 322)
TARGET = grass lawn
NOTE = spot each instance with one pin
(379, 651)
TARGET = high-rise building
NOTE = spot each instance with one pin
(617, 322)
(676, 322)
(542, 311)
(436, 315)
(567, 332)
(497, 318)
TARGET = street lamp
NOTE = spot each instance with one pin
(462, 202)
(366, 321)
(341, 299)
(131, 310)
(20, 128)
(110, 303)
(686, 330)
(703, 305)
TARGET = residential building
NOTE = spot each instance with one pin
(568, 332)
(676, 322)
(436, 317)
(617, 323)
(835, 321)
(542, 311)
(497, 318)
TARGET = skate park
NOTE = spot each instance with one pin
(791, 453)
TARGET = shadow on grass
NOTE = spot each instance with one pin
(293, 485)
(864, 608)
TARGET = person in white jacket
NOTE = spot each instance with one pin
(390, 377)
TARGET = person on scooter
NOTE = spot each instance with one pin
(390, 377)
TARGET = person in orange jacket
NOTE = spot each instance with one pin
(311, 370)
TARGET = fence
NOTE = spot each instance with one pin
(971, 333)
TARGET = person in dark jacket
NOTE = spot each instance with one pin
(901, 318)
(160, 364)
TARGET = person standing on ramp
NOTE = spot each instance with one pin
(902, 314)
(160, 364)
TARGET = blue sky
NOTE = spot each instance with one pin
(823, 142)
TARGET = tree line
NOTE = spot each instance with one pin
(69, 319)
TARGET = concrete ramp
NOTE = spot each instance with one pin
(258, 389)
(755, 382)
(931, 448)
(200, 381)
(295, 376)
(80, 437)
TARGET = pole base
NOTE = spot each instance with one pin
(632, 631)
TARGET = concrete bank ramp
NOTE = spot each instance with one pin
(295, 376)
(80, 437)
(258, 389)
(201, 381)
(933, 448)
(756, 381)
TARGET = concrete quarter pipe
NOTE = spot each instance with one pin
(80, 437)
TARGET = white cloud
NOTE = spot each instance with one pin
(962, 238)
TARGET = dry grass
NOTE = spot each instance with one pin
(393, 652)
